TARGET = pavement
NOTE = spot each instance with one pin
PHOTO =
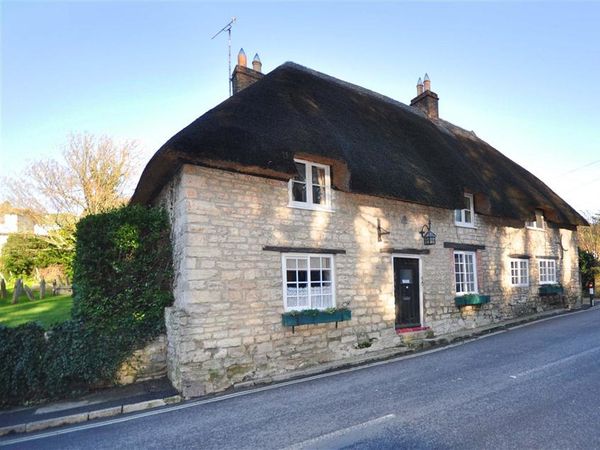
(104, 403)
(159, 393)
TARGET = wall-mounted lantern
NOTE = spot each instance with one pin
(427, 234)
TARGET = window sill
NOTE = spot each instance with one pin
(519, 285)
(535, 228)
(465, 225)
(310, 208)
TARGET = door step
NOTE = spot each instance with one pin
(416, 338)
(411, 329)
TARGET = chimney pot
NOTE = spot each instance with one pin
(426, 100)
(256, 63)
(242, 60)
(426, 83)
(243, 76)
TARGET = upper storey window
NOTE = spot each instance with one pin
(311, 188)
(539, 223)
(465, 217)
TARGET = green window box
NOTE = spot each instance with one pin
(551, 289)
(471, 299)
(314, 316)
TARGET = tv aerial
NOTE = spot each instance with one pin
(227, 28)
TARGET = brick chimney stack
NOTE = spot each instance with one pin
(426, 100)
(243, 76)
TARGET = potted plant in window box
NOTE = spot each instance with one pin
(551, 289)
(471, 299)
(314, 316)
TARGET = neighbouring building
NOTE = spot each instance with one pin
(304, 192)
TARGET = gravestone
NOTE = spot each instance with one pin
(28, 292)
(18, 290)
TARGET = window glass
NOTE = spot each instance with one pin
(519, 272)
(309, 282)
(311, 187)
(465, 216)
(547, 268)
(465, 273)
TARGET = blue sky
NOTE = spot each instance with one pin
(524, 76)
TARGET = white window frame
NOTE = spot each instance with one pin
(307, 256)
(534, 225)
(462, 222)
(549, 263)
(517, 272)
(309, 193)
(456, 284)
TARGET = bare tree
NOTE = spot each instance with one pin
(95, 175)
(589, 237)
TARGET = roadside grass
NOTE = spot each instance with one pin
(51, 310)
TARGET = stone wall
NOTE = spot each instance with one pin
(225, 324)
(147, 363)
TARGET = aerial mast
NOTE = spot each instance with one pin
(222, 30)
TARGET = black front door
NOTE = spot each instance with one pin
(406, 291)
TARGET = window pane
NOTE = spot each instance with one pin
(302, 263)
(458, 215)
(326, 262)
(315, 275)
(299, 191)
(291, 275)
(290, 263)
(468, 216)
(318, 175)
(318, 195)
(301, 169)
(302, 276)
(467, 203)
(315, 262)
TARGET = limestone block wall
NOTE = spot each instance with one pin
(147, 363)
(225, 324)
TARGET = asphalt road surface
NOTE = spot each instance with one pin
(536, 386)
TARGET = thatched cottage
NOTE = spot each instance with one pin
(303, 192)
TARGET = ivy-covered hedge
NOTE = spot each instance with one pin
(122, 283)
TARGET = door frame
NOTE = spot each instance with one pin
(408, 256)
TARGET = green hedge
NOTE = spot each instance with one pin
(122, 283)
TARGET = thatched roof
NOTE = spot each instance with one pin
(376, 146)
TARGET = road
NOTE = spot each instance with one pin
(530, 387)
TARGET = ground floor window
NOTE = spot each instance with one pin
(519, 272)
(547, 271)
(465, 272)
(308, 282)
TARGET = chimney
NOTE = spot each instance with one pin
(426, 100)
(427, 83)
(243, 76)
(419, 87)
(256, 64)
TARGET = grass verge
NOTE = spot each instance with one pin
(51, 310)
